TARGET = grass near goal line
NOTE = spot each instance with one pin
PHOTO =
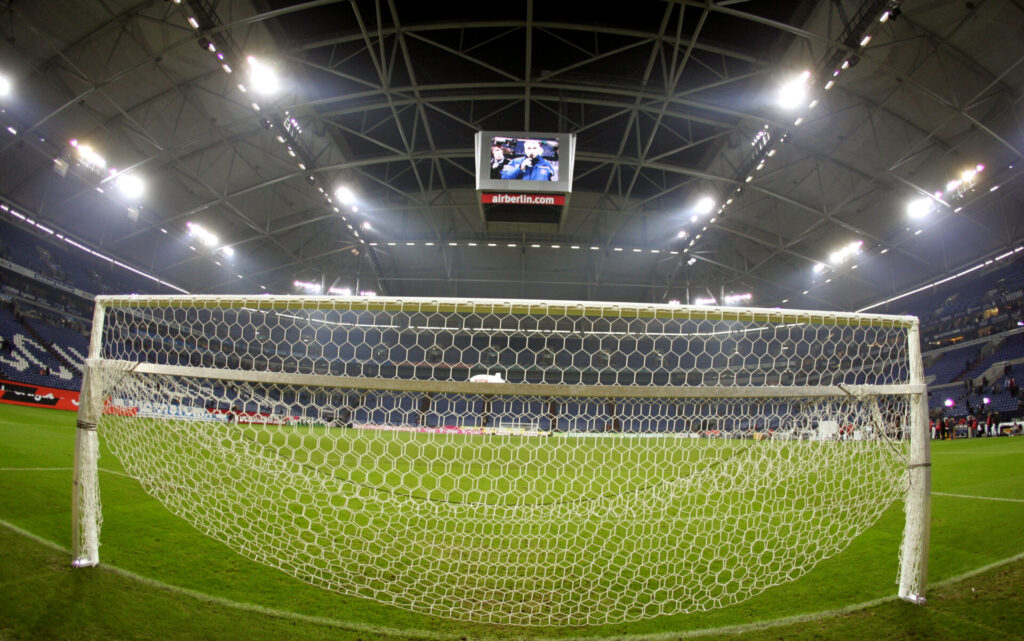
(44, 598)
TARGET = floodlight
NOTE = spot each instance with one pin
(949, 402)
(227, 251)
(986, 400)
(5, 86)
(734, 299)
(705, 205)
(88, 156)
(130, 185)
(920, 207)
(206, 237)
(345, 195)
(819, 267)
(794, 91)
(262, 77)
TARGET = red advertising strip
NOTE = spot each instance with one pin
(36, 396)
(522, 199)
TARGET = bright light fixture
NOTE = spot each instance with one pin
(733, 299)
(5, 86)
(309, 287)
(130, 185)
(842, 255)
(262, 77)
(204, 236)
(345, 195)
(88, 156)
(794, 91)
(920, 207)
(705, 205)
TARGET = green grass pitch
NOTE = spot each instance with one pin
(161, 578)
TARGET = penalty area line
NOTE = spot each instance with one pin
(980, 498)
(60, 469)
(427, 634)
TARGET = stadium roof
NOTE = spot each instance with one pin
(671, 102)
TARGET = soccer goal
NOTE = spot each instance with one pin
(635, 461)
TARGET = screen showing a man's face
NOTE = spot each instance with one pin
(533, 159)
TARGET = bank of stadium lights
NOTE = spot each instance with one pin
(793, 93)
(959, 187)
(311, 288)
(921, 207)
(736, 299)
(87, 155)
(345, 195)
(704, 206)
(5, 86)
(130, 185)
(558, 246)
(263, 79)
(208, 239)
(845, 253)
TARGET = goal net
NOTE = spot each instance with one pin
(520, 462)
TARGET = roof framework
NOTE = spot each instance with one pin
(664, 101)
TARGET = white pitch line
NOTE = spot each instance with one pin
(59, 469)
(980, 498)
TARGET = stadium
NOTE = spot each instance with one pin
(378, 320)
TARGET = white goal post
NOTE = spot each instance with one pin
(635, 460)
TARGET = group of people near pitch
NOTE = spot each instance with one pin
(946, 427)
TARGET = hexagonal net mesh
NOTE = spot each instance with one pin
(517, 463)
